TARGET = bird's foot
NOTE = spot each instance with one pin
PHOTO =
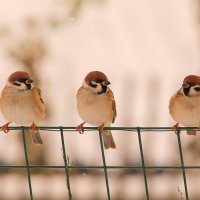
(5, 127)
(101, 128)
(80, 128)
(175, 127)
(33, 127)
(103, 131)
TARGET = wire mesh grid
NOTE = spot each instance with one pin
(104, 166)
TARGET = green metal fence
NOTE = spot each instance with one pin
(137, 130)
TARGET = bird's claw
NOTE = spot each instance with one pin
(33, 127)
(101, 128)
(175, 128)
(103, 131)
(5, 128)
(80, 128)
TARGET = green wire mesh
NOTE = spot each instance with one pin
(67, 167)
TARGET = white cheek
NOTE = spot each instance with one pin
(193, 92)
(99, 87)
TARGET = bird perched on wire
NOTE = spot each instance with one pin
(184, 105)
(96, 105)
(21, 103)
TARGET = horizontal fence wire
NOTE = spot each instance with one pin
(132, 129)
(66, 166)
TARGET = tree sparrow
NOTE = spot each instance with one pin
(184, 105)
(96, 105)
(22, 104)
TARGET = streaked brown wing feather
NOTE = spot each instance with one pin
(39, 101)
(38, 93)
(114, 111)
(113, 107)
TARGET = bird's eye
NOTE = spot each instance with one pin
(197, 89)
(98, 81)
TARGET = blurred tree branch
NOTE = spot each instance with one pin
(29, 49)
(72, 10)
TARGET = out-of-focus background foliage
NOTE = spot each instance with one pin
(145, 47)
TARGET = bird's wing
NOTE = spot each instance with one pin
(113, 107)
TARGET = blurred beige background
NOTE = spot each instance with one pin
(146, 48)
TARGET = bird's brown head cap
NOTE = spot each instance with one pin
(192, 80)
(95, 75)
(17, 76)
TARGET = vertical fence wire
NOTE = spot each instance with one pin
(27, 164)
(143, 163)
(104, 166)
(182, 164)
(66, 162)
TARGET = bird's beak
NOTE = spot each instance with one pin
(185, 85)
(29, 81)
(107, 83)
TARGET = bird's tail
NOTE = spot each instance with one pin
(37, 139)
(108, 140)
(192, 132)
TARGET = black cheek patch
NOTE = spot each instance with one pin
(104, 89)
(186, 91)
(92, 85)
(17, 84)
(29, 86)
(98, 80)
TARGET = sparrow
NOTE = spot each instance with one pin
(96, 105)
(22, 104)
(184, 105)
